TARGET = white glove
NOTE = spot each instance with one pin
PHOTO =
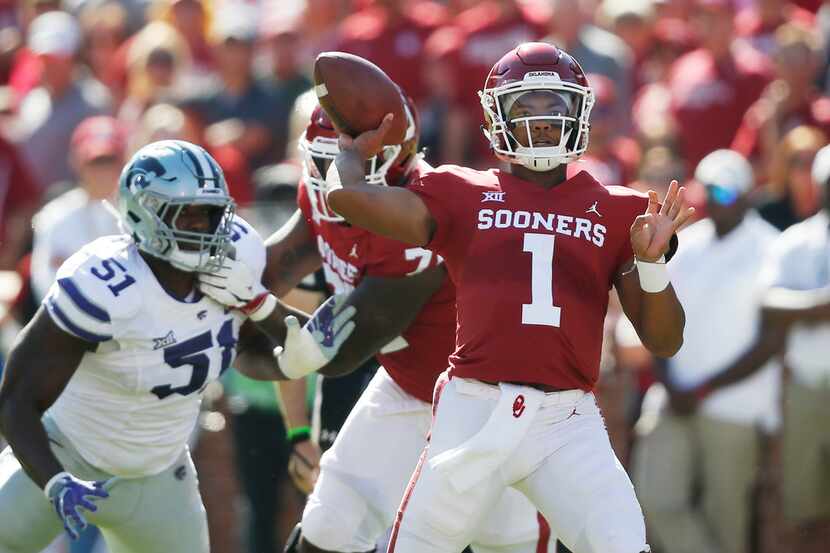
(311, 347)
(235, 284)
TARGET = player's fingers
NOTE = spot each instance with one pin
(88, 505)
(343, 317)
(344, 334)
(670, 198)
(653, 202)
(681, 219)
(292, 324)
(678, 205)
(110, 483)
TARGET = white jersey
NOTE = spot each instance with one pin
(133, 402)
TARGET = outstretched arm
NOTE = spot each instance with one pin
(291, 254)
(389, 211)
(646, 294)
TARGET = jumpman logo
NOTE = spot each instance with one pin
(353, 253)
(593, 209)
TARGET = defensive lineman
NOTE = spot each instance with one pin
(533, 266)
(103, 387)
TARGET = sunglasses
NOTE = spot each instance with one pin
(720, 195)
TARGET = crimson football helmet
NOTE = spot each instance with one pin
(319, 148)
(535, 67)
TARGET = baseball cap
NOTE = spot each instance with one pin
(821, 166)
(726, 174)
(56, 33)
(238, 22)
(99, 136)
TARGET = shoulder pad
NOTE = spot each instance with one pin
(95, 289)
(248, 245)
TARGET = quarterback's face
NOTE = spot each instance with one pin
(538, 103)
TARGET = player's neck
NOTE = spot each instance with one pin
(176, 282)
(546, 180)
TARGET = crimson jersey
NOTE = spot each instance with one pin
(532, 268)
(349, 254)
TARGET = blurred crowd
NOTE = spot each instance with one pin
(731, 97)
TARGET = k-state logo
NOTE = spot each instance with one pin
(493, 197)
(519, 406)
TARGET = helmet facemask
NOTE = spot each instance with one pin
(187, 250)
(555, 111)
(320, 174)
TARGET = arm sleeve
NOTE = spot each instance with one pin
(77, 304)
(443, 202)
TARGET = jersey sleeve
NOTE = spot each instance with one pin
(91, 294)
(444, 195)
(389, 258)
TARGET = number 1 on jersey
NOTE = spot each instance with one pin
(540, 310)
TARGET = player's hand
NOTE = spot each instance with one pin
(369, 143)
(304, 465)
(651, 232)
(70, 495)
(313, 346)
(235, 284)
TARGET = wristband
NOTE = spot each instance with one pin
(298, 434)
(259, 308)
(54, 480)
(654, 277)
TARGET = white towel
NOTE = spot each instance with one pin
(479, 457)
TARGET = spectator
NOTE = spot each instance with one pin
(237, 110)
(790, 194)
(392, 33)
(712, 273)
(104, 28)
(287, 74)
(19, 199)
(51, 112)
(461, 55)
(612, 157)
(79, 216)
(634, 22)
(792, 99)
(156, 59)
(797, 279)
(712, 87)
(597, 50)
(192, 19)
(760, 20)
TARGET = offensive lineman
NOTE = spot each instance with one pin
(533, 256)
(103, 386)
(364, 474)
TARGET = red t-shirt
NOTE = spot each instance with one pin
(532, 268)
(395, 46)
(708, 100)
(349, 254)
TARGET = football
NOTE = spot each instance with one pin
(356, 94)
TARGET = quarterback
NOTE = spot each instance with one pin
(533, 256)
(398, 289)
(103, 386)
